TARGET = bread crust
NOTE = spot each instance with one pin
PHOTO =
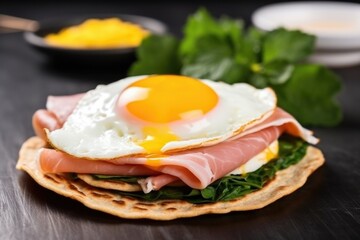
(110, 184)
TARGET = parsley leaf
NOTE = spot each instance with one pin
(293, 46)
(203, 24)
(157, 55)
(250, 48)
(309, 95)
(213, 60)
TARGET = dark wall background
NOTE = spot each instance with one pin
(174, 13)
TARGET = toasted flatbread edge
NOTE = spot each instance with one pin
(110, 184)
(285, 182)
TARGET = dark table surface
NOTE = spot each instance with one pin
(328, 206)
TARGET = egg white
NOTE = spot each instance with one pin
(259, 160)
(95, 131)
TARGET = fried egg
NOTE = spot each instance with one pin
(159, 114)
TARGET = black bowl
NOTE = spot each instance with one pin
(93, 57)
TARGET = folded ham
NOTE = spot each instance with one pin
(58, 108)
(197, 167)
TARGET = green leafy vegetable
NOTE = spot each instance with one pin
(292, 46)
(250, 47)
(221, 50)
(278, 71)
(157, 54)
(291, 151)
(310, 90)
(213, 60)
(128, 179)
(209, 46)
(203, 24)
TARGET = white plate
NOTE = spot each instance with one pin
(336, 24)
(336, 59)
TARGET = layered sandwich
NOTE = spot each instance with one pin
(168, 146)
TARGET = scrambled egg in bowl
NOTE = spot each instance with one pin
(99, 34)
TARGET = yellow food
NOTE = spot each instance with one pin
(99, 33)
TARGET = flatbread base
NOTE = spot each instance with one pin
(285, 182)
(108, 184)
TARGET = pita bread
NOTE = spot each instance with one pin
(285, 182)
(109, 184)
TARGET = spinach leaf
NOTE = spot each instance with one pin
(128, 179)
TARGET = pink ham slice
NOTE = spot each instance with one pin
(197, 168)
(63, 106)
(282, 118)
(52, 161)
(58, 109)
(44, 119)
(260, 136)
(212, 163)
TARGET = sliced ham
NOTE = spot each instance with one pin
(44, 119)
(52, 161)
(196, 168)
(63, 106)
(280, 120)
(220, 159)
(58, 109)
(157, 182)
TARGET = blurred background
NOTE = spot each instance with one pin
(174, 12)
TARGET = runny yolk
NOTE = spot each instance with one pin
(154, 162)
(160, 100)
(271, 153)
(156, 138)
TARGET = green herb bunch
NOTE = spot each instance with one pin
(222, 50)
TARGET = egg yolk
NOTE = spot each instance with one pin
(156, 138)
(160, 100)
(271, 154)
